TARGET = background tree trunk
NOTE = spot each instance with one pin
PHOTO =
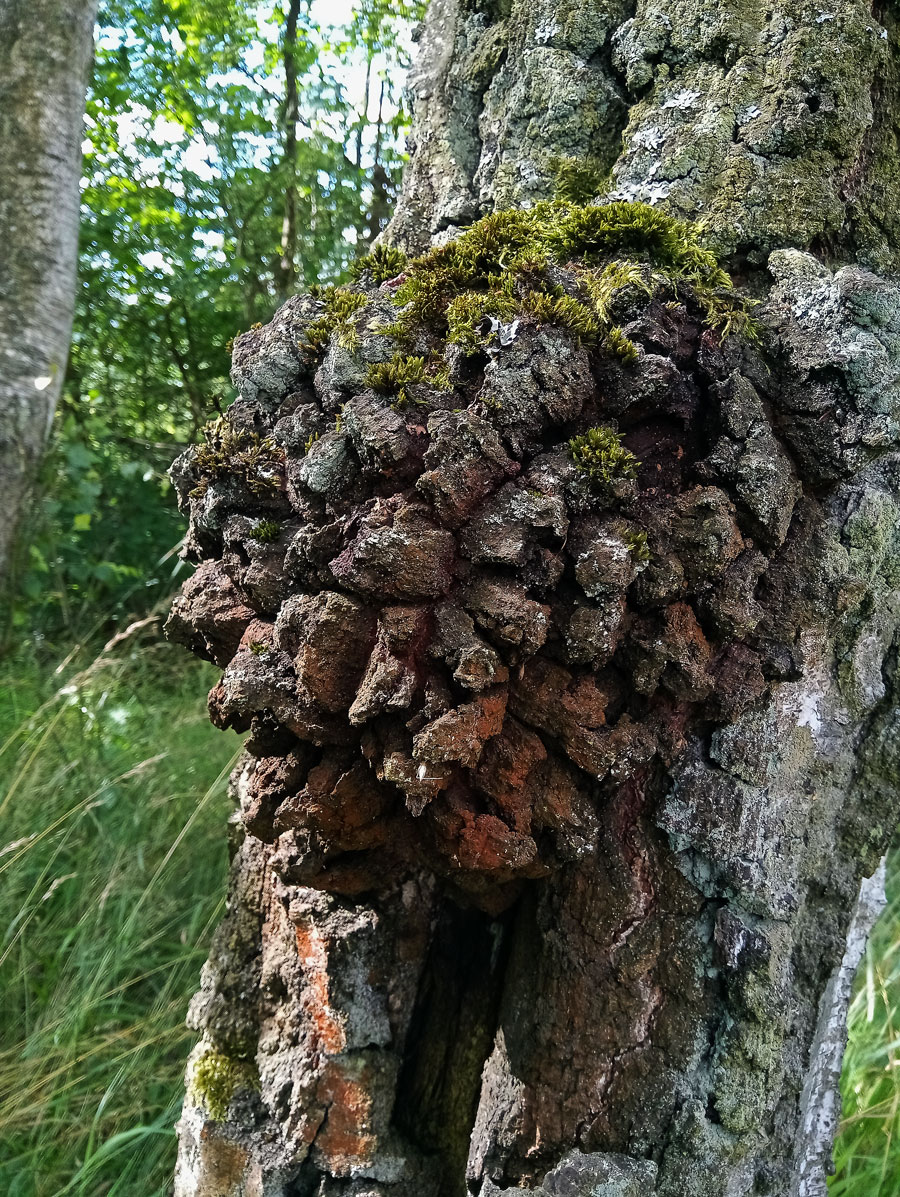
(46, 48)
(604, 941)
(286, 266)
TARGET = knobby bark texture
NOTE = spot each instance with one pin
(563, 615)
(46, 49)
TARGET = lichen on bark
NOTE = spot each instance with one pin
(773, 126)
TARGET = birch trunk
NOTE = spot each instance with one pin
(46, 49)
(553, 863)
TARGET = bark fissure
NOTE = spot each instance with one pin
(454, 1024)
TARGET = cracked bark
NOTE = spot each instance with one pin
(553, 866)
(46, 48)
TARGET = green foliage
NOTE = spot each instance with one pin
(216, 1079)
(186, 167)
(113, 795)
(867, 1151)
(383, 263)
(600, 454)
(101, 537)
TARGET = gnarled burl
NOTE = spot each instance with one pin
(559, 593)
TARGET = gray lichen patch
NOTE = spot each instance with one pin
(773, 127)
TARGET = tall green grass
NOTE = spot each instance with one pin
(112, 873)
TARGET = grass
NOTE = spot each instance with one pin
(112, 874)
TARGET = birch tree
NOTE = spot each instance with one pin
(46, 48)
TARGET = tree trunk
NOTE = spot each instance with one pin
(46, 48)
(286, 264)
(562, 605)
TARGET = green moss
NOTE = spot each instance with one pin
(600, 454)
(387, 378)
(603, 286)
(259, 647)
(310, 441)
(618, 345)
(468, 312)
(579, 179)
(217, 1078)
(500, 268)
(227, 451)
(636, 543)
(266, 531)
(402, 371)
(340, 305)
(347, 336)
(383, 263)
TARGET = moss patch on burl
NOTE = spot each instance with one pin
(600, 454)
(510, 266)
(217, 1077)
(230, 451)
(266, 531)
(340, 304)
(404, 371)
(638, 547)
(383, 263)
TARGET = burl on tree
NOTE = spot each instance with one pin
(502, 552)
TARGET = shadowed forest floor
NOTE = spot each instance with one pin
(113, 804)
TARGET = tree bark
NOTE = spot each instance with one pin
(46, 49)
(559, 831)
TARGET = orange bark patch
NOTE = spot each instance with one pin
(348, 1138)
(313, 954)
(222, 1166)
(461, 734)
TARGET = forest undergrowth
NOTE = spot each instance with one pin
(113, 803)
